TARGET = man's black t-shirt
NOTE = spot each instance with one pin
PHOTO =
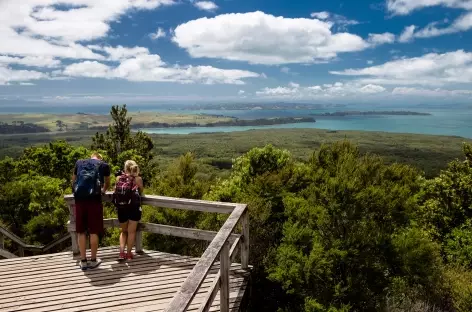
(103, 170)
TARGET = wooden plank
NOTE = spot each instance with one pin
(182, 232)
(17, 240)
(245, 239)
(112, 289)
(216, 283)
(190, 287)
(175, 203)
(72, 273)
(224, 278)
(139, 241)
(167, 230)
(56, 242)
(6, 254)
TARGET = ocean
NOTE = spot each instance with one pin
(451, 121)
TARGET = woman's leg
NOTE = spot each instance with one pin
(123, 235)
(132, 225)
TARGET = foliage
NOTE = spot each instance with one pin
(33, 207)
(339, 231)
(448, 198)
(120, 145)
(459, 282)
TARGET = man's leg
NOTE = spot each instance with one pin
(93, 246)
(95, 220)
(80, 228)
(82, 243)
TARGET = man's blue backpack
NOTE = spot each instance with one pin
(87, 185)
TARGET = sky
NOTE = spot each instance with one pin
(88, 52)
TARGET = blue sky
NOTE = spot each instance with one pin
(144, 51)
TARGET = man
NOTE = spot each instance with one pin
(90, 180)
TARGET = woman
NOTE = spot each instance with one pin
(129, 210)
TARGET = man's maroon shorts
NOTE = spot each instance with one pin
(89, 216)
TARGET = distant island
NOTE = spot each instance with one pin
(260, 106)
(370, 113)
(227, 123)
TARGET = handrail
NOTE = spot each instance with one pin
(4, 232)
(190, 287)
(219, 244)
(174, 203)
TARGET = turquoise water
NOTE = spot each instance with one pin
(454, 122)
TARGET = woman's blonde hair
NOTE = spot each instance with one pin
(131, 168)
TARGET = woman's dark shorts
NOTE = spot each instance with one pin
(129, 213)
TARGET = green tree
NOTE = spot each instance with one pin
(447, 199)
(260, 178)
(347, 236)
(179, 180)
(118, 142)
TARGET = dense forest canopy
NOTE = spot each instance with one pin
(342, 231)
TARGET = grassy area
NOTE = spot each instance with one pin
(83, 121)
(215, 151)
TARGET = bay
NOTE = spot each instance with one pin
(451, 122)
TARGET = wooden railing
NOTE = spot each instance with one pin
(224, 245)
(22, 246)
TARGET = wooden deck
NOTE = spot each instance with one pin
(149, 282)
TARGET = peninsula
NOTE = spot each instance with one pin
(370, 113)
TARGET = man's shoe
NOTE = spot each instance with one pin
(94, 263)
(83, 265)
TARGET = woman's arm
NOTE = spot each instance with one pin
(139, 183)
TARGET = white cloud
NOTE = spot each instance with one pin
(294, 85)
(26, 84)
(160, 33)
(32, 61)
(405, 7)
(372, 89)
(8, 75)
(407, 34)
(340, 21)
(264, 39)
(91, 69)
(407, 91)
(41, 28)
(378, 39)
(285, 70)
(119, 53)
(320, 15)
(206, 5)
(370, 62)
(335, 90)
(463, 23)
(150, 67)
(278, 91)
(429, 69)
(241, 92)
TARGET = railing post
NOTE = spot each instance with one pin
(224, 278)
(21, 251)
(245, 240)
(2, 241)
(139, 241)
(73, 231)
